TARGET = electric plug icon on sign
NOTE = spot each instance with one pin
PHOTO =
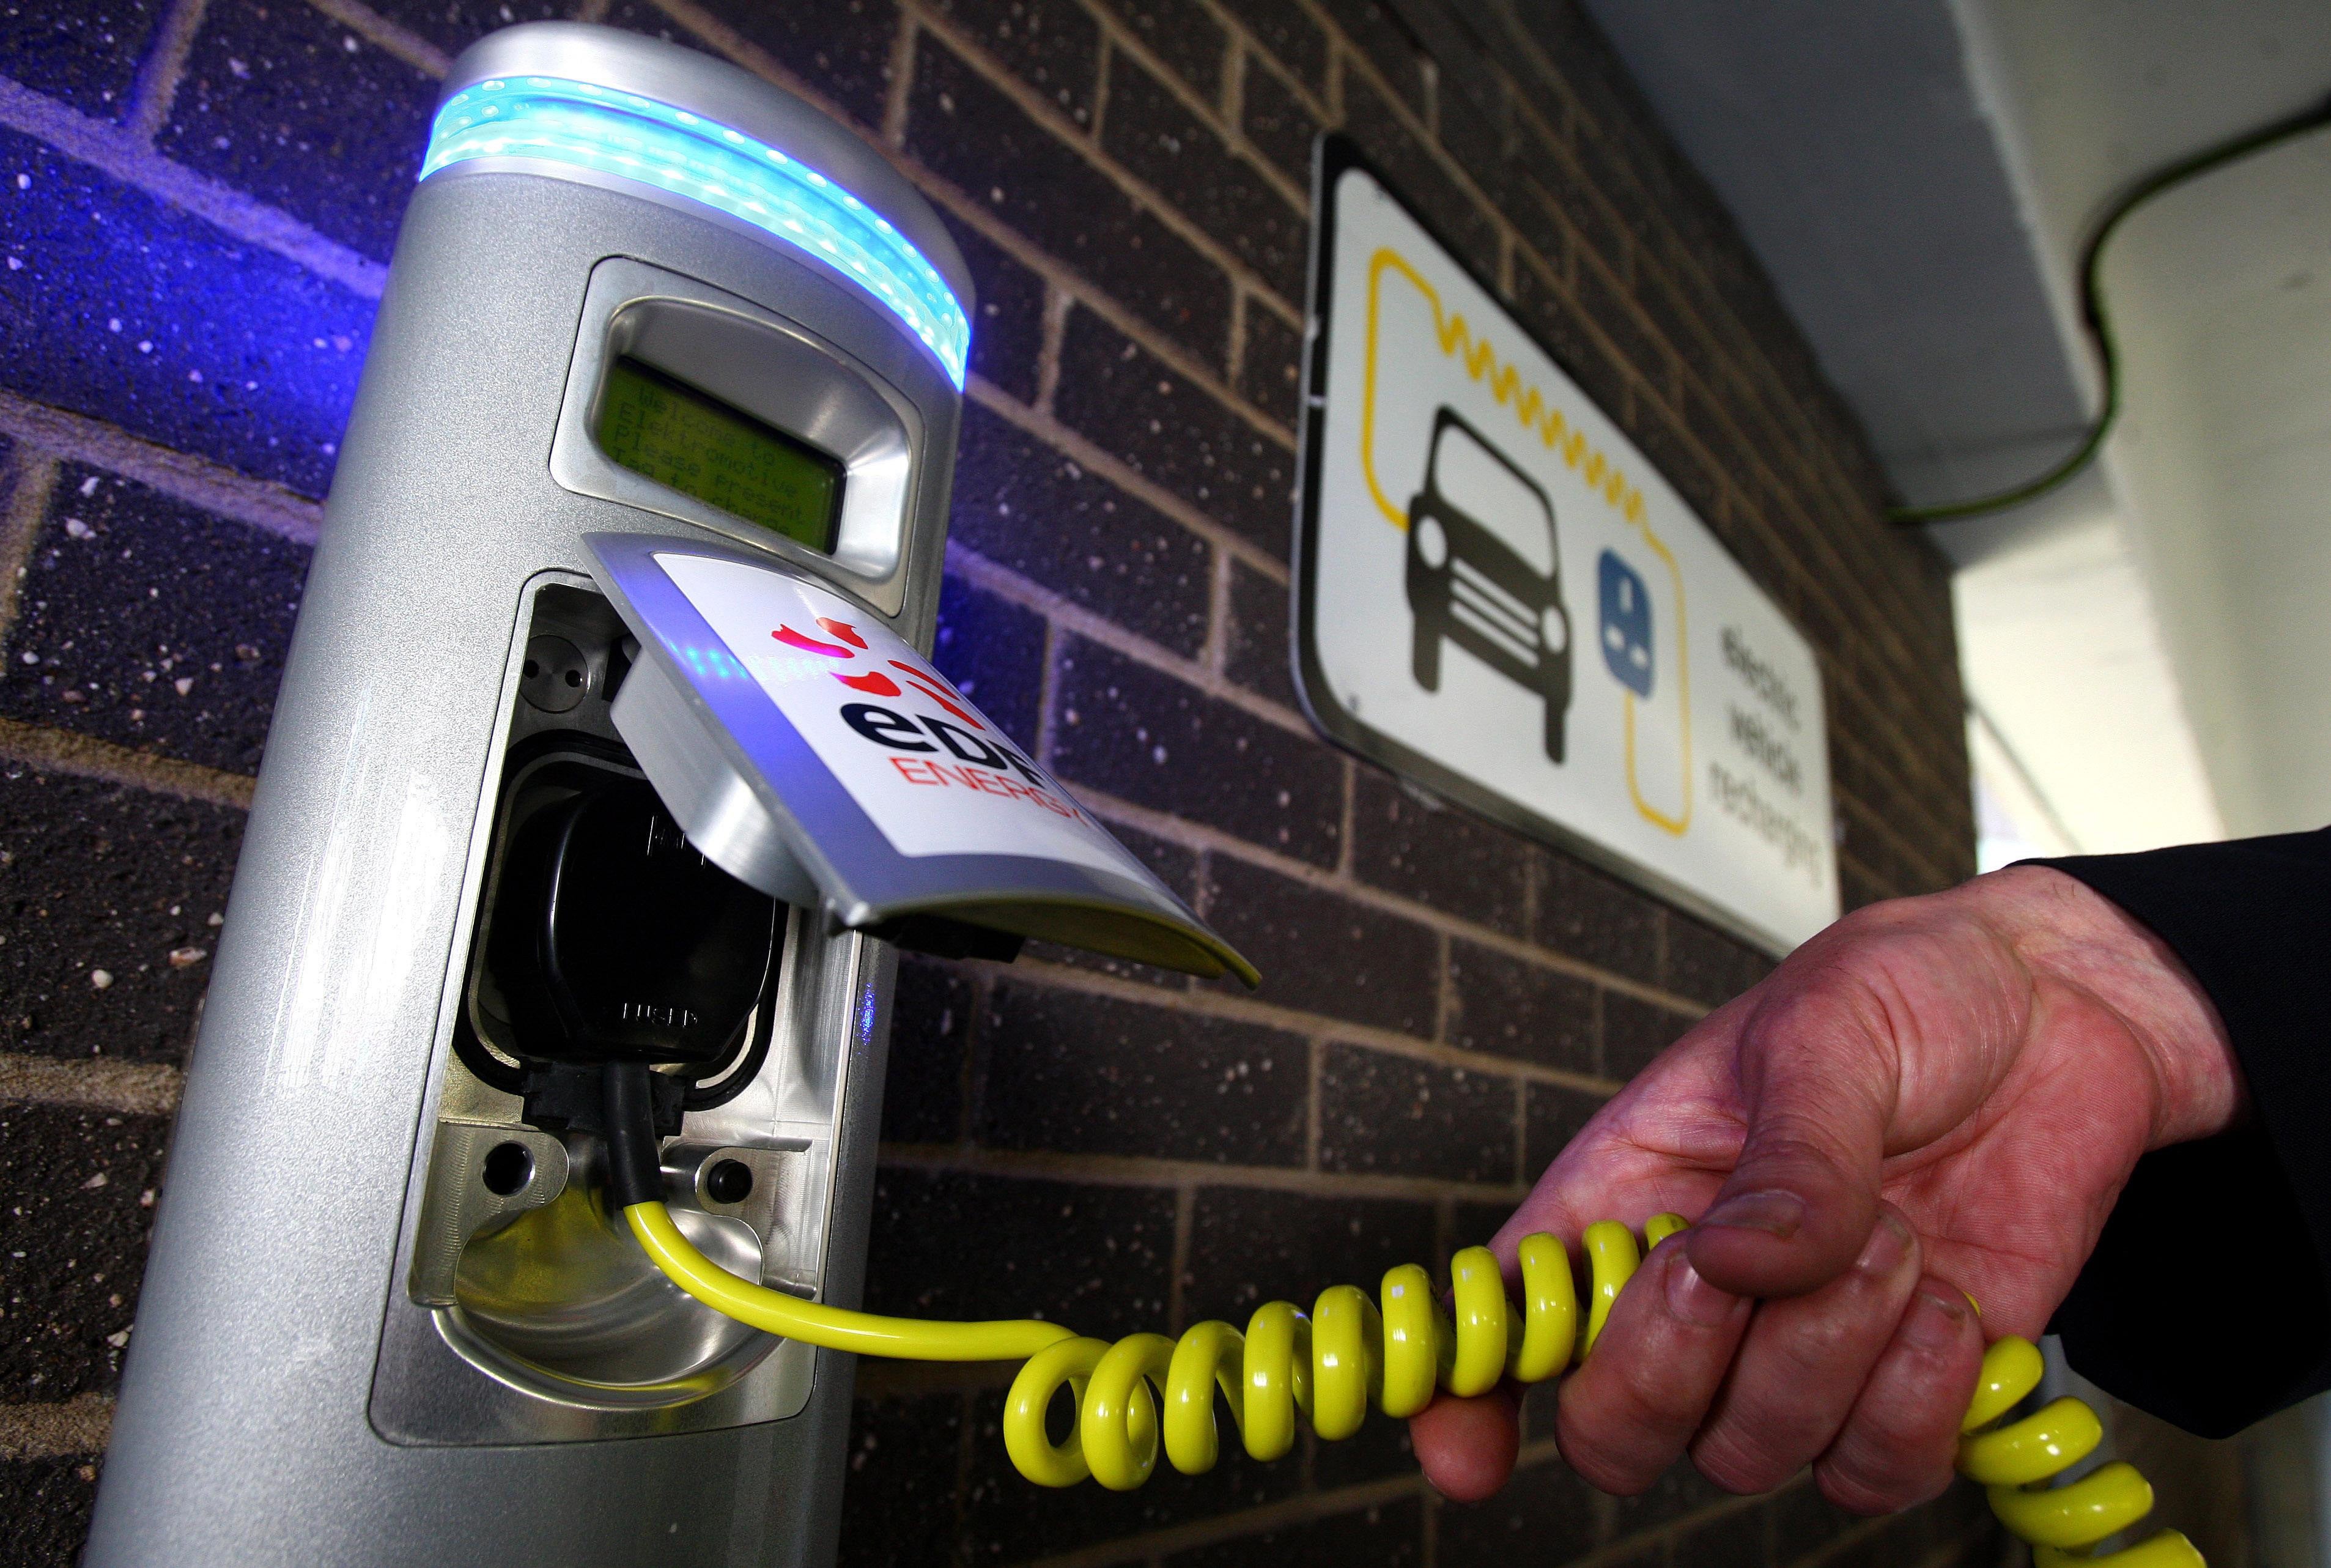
(1626, 624)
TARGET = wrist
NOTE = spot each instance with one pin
(2066, 932)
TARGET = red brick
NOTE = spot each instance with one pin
(1007, 330)
(85, 54)
(1545, 1515)
(1271, 370)
(953, 1244)
(1589, 916)
(76, 1198)
(1138, 734)
(1181, 34)
(1502, 1005)
(1052, 45)
(272, 93)
(1321, 952)
(1391, 1115)
(1077, 1074)
(931, 1014)
(1412, 843)
(1634, 1031)
(1027, 507)
(1256, 652)
(1388, 1535)
(1286, 30)
(1174, 433)
(102, 876)
(969, 132)
(1276, 120)
(898, 1494)
(1247, 1247)
(1172, 150)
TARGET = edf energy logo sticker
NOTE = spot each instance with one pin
(933, 773)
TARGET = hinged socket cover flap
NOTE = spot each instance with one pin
(809, 751)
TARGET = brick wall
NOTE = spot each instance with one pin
(200, 200)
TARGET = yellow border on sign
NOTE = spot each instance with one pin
(1536, 414)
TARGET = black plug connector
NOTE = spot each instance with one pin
(609, 938)
(625, 944)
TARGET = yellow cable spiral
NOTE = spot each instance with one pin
(1147, 1394)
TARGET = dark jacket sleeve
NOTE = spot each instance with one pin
(2208, 1299)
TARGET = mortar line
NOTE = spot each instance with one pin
(1048, 116)
(1215, 654)
(1185, 1206)
(1316, 1067)
(971, 1081)
(1142, 1170)
(1234, 355)
(1231, 104)
(1038, 974)
(113, 151)
(1048, 686)
(84, 756)
(155, 87)
(69, 1428)
(965, 1458)
(388, 36)
(1102, 60)
(1088, 454)
(33, 483)
(1053, 331)
(195, 481)
(1348, 823)
(900, 93)
(137, 1089)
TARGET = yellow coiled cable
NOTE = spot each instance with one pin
(1148, 1392)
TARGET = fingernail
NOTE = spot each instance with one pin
(1694, 1299)
(1775, 1213)
(1888, 1245)
(1935, 1321)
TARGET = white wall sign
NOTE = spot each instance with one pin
(1498, 595)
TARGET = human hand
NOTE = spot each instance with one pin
(1935, 1097)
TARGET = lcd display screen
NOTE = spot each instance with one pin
(676, 435)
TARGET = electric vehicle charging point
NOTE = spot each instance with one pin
(606, 742)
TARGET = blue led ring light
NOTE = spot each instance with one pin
(549, 119)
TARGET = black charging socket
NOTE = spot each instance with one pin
(608, 938)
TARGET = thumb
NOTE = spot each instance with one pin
(1818, 1077)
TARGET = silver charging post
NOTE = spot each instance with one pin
(633, 555)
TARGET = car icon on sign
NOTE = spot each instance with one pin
(1484, 571)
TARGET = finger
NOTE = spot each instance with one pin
(1627, 1413)
(1898, 1444)
(1802, 1365)
(1467, 1446)
(1817, 1074)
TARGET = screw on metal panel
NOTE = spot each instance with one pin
(729, 1181)
(508, 1169)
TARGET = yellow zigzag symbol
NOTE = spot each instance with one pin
(1506, 386)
